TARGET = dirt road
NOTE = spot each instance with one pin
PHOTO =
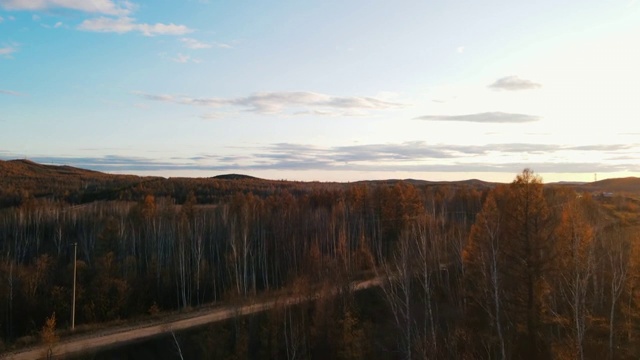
(120, 336)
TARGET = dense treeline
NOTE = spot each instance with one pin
(514, 271)
(134, 255)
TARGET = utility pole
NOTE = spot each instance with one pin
(73, 302)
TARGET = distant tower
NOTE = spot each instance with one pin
(595, 177)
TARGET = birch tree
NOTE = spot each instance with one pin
(576, 241)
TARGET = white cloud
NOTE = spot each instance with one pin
(104, 24)
(127, 24)
(58, 24)
(286, 102)
(107, 7)
(1, 19)
(514, 83)
(35, 17)
(460, 49)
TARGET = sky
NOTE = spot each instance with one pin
(324, 90)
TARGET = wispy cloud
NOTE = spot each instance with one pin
(514, 83)
(127, 24)
(486, 117)
(106, 7)
(407, 151)
(57, 25)
(221, 45)
(10, 92)
(283, 102)
(7, 51)
(182, 58)
(195, 44)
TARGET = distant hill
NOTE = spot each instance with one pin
(21, 180)
(477, 183)
(631, 184)
(620, 185)
(473, 183)
(235, 177)
(30, 169)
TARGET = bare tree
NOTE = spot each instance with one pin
(399, 273)
(484, 258)
(295, 338)
(617, 258)
(577, 258)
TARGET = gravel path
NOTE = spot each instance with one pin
(120, 336)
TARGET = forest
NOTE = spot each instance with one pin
(471, 270)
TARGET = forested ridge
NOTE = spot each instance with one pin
(474, 270)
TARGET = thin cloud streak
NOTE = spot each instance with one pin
(486, 117)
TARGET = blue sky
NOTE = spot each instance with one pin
(328, 90)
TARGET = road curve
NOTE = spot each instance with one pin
(94, 342)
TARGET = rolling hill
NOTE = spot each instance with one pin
(21, 180)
